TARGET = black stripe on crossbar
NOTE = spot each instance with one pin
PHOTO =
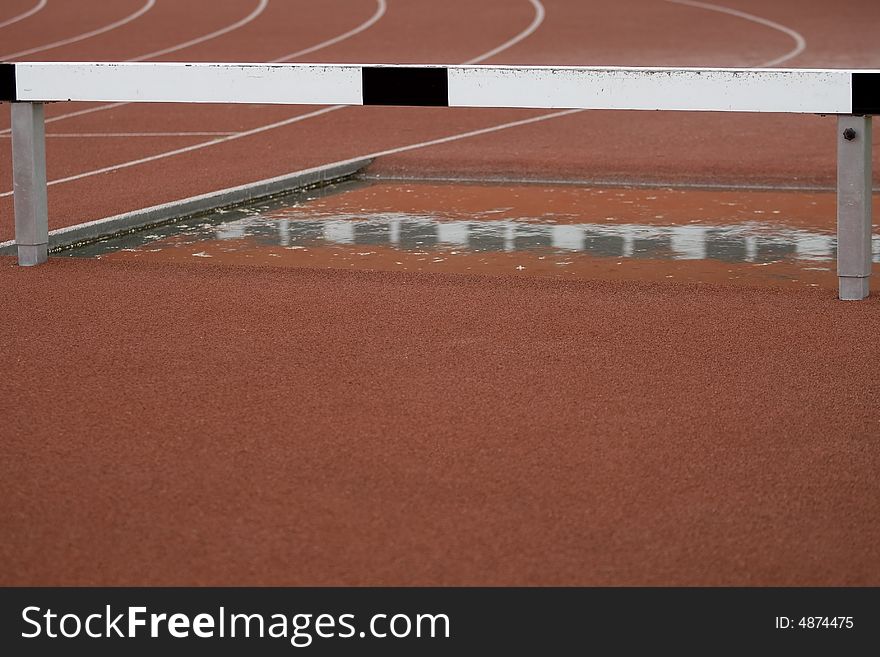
(406, 86)
(7, 81)
(866, 93)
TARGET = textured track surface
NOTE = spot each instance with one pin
(223, 425)
(181, 425)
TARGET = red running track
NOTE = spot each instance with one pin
(715, 148)
(223, 425)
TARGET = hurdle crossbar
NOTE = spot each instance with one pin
(852, 95)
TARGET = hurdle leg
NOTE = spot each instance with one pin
(853, 206)
(29, 183)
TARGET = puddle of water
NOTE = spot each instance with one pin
(738, 237)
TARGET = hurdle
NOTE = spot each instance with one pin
(851, 95)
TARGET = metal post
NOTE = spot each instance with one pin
(29, 183)
(853, 206)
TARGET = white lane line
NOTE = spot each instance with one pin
(78, 135)
(539, 10)
(800, 43)
(86, 35)
(186, 149)
(534, 25)
(554, 115)
(381, 8)
(460, 135)
(70, 115)
(260, 8)
(30, 12)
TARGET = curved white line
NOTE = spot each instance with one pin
(534, 25)
(87, 35)
(381, 8)
(30, 12)
(800, 43)
(260, 8)
(799, 40)
(539, 10)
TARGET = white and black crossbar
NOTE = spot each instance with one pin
(813, 91)
(851, 94)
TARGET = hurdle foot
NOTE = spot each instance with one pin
(32, 254)
(853, 288)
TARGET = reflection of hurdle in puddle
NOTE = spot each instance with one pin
(755, 243)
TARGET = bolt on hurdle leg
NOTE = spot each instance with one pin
(853, 206)
(29, 183)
